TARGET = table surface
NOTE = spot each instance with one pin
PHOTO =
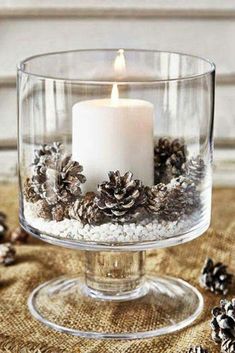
(37, 262)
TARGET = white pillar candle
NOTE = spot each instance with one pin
(111, 135)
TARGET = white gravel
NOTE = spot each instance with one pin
(148, 229)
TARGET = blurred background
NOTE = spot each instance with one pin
(203, 27)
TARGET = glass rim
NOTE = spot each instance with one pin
(20, 68)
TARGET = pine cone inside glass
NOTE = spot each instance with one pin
(86, 210)
(60, 183)
(228, 346)
(7, 254)
(169, 156)
(3, 226)
(44, 210)
(48, 154)
(121, 197)
(195, 169)
(170, 202)
(197, 349)
(19, 236)
(223, 322)
(215, 277)
(29, 191)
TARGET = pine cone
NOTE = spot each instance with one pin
(188, 192)
(121, 197)
(59, 184)
(169, 156)
(195, 169)
(48, 154)
(170, 202)
(59, 212)
(3, 225)
(223, 323)
(228, 346)
(86, 210)
(19, 236)
(197, 349)
(44, 210)
(7, 254)
(29, 191)
(215, 277)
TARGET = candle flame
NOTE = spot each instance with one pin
(114, 94)
(120, 63)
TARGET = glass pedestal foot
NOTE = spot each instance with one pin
(158, 306)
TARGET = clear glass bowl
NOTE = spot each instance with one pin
(154, 135)
(115, 152)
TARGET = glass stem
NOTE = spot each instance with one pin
(112, 273)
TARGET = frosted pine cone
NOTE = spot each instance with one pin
(61, 184)
(170, 202)
(169, 156)
(121, 197)
(197, 349)
(29, 191)
(43, 210)
(228, 346)
(223, 323)
(86, 210)
(186, 190)
(59, 212)
(48, 154)
(3, 226)
(7, 254)
(195, 169)
(215, 277)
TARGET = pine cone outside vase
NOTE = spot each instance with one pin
(121, 197)
(169, 156)
(3, 226)
(86, 210)
(7, 254)
(228, 346)
(197, 349)
(195, 169)
(223, 324)
(215, 277)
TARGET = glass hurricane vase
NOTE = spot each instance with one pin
(115, 151)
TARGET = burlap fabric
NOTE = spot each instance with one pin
(37, 262)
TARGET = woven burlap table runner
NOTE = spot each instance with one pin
(38, 262)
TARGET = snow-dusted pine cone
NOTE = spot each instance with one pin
(48, 154)
(228, 346)
(195, 169)
(59, 184)
(215, 277)
(3, 225)
(169, 156)
(59, 212)
(121, 197)
(7, 254)
(223, 323)
(43, 210)
(170, 202)
(197, 349)
(187, 190)
(29, 191)
(86, 210)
